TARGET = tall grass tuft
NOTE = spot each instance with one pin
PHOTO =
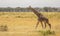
(47, 32)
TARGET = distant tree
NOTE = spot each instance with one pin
(46, 9)
(20, 9)
(17, 9)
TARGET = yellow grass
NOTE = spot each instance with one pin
(23, 23)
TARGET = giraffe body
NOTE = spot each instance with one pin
(41, 18)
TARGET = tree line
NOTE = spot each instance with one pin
(20, 9)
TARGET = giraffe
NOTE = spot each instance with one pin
(41, 18)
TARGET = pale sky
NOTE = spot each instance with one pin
(26, 3)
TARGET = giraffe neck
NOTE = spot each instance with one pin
(36, 12)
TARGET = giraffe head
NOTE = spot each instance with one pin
(30, 7)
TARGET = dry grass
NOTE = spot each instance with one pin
(23, 23)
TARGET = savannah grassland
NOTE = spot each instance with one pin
(23, 23)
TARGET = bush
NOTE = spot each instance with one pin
(3, 28)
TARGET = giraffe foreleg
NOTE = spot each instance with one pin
(37, 24)
(45, 24)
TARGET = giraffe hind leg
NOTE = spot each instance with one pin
(48, 24)
(42, 24)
